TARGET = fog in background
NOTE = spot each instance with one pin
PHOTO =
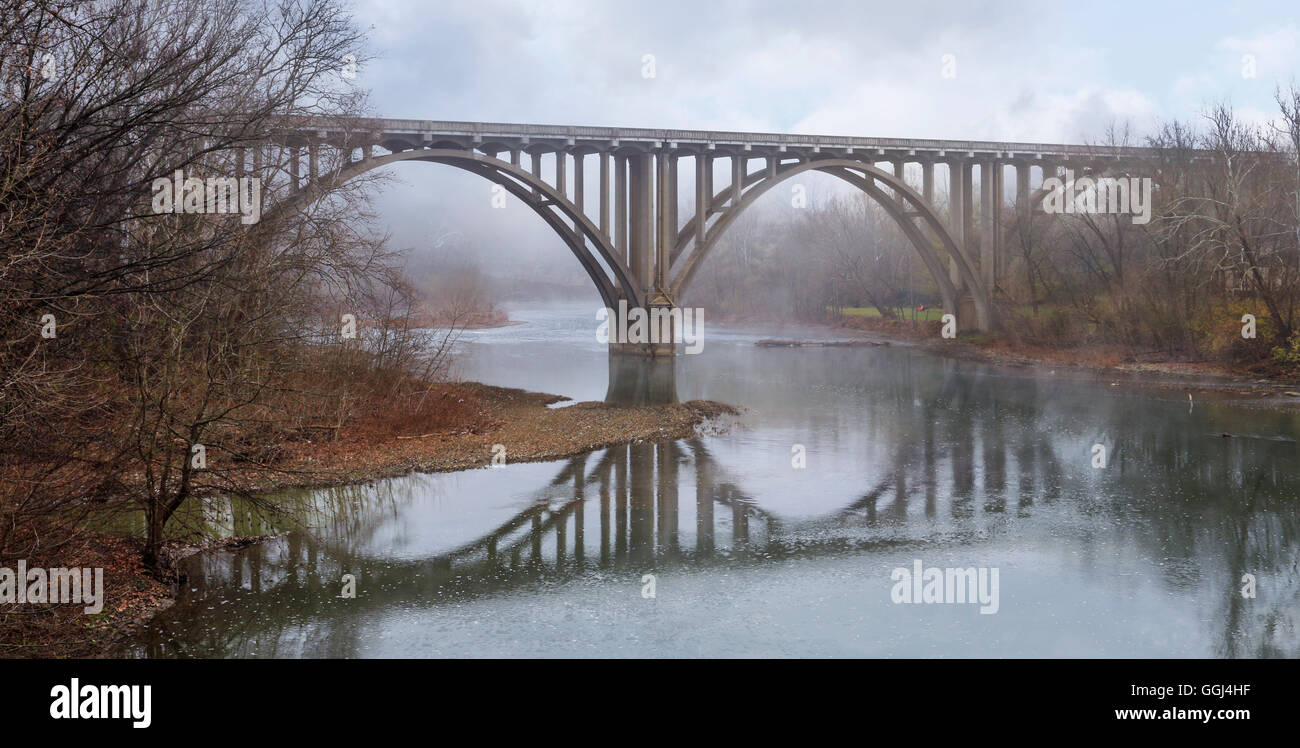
(1024, 71)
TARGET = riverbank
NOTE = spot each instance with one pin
(524, 424)
(1131, 368)
(510, 424)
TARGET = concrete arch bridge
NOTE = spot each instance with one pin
(613, 194)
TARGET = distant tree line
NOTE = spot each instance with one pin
(1223, 242)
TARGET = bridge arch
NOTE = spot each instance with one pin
(571, 224)
(905, 206)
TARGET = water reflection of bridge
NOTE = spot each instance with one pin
(947, 462)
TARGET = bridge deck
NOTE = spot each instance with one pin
(424, 131)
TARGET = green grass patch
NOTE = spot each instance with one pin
(928, 315)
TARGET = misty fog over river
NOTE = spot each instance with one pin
(908, 456)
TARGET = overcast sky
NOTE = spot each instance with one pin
(1046, 72)
(1024, 71)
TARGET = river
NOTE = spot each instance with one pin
(788, 533)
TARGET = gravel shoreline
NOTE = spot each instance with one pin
(519, 421)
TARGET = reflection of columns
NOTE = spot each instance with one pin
(739, 520)
(963, 467)
(604, 509)
(536, 536)
(667, 496)
(641, 499)
(620, 508)
(703, 504)
(579, 499)
(995, 465)
(1025, 467)
(561, 538)
(899, 508)
(931, 468)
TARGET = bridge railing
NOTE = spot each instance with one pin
(487, 130)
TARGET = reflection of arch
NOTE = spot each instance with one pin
(573, 226)
(903, 207)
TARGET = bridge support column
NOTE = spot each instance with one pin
(578, 179)
(702, 198)
(968, 210)
(620, 206)
(956, 218)
(987, 229)
(641, 219)
(999, 205)
(666, 218)
(604, 194)
(927, 182)
(1022, 186)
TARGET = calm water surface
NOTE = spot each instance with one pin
(909, 457)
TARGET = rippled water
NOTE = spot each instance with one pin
(909, 457)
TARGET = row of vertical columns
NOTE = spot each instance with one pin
(737, 178)
(641, 218)
(967, 170)
(987, 189)
(561, 185)
(604, 194)
(994, 272)
(702, 198)
(620, 206)
(665, 197)
(956, 218)
(1022, 185)
(578, 179)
